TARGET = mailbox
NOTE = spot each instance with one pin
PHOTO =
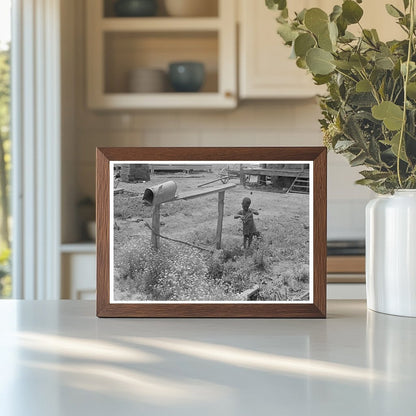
(161, 193)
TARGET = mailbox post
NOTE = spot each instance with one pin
(221, 197)
(166, 192)
(156, 227)
(156, 196)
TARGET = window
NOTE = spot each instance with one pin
(5, 147)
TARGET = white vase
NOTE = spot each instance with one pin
(391, 253)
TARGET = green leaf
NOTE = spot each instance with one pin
(303, 43)
(321, 79)
(374, 175)
(358, 160)
(411, 90)
(375, 35)
(276, 4)
(342, 25)
(412, 67)
(405, 21)
(384, 62)
(344, 65)
(394, 145)
(393, 11)
(377, 75)
(368, 36)
(351, 11)
(353, 131)
(320, 61)
(301, 15)
(287, 33)
(382, 89)
(388, 112)
(343, 145)
(325, 42)
(374, 150)
(365, 182)
(347, 37)
(281, 19)
(336, 12)
(363, 86)
(362, 99)
(358, 61)
(301, 63)
(333, 32)
(411, 123)
(316, 20)
(406, 4)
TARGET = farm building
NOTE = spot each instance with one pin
(132, 172)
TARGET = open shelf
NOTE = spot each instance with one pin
(126, 51)
(160, 24)
(167, 100)
(85, 247)
(116, 46)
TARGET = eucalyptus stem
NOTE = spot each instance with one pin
(406, 80)
(346, 75)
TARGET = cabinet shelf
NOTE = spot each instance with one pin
(160, 24)
(116, 46)
(198, 100)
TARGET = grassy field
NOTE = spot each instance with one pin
(278, 262)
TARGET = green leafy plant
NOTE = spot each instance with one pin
(369, 113)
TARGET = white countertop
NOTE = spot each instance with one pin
(57, 358)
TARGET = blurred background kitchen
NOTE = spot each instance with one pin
(188, 73)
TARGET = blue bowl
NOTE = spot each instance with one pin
(187, 76)
(135, 8)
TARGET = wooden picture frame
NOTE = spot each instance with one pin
(314, 157)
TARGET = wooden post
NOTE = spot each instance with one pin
(156, 227)
(242, 178)
(221, 196)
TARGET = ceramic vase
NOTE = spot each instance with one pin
(191, 8)
(135, 8)
(186, 76)
(391, 253)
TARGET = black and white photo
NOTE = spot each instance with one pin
(230, 232)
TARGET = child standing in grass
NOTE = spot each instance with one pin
(249, 228)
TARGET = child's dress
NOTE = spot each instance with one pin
(249, 228)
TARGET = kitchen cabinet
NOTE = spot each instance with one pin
(265, 69)
(78, 263)
(118, 45)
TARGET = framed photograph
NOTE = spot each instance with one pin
(211, 232)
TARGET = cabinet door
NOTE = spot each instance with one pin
(78, 276)
(265, 68)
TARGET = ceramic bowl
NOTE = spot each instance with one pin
(191, 8)
(135, 8)
(186, 76)
(147, 80)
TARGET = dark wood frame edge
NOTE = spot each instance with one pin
(317, 309)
